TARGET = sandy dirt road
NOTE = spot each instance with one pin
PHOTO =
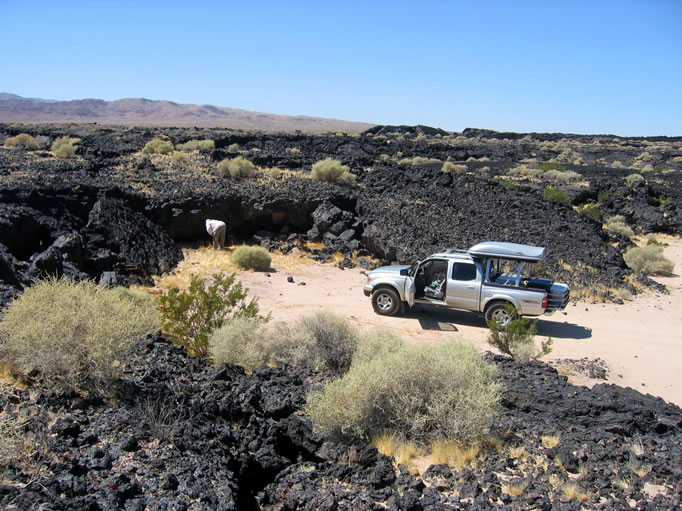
(639, 341)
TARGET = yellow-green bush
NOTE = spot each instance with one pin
(418, 392)
(251, 258)
(196, 145)
(74, 333)
(617, 224)
(22, 140)
(65, 147)
(158, 146)
(239, 341)
(332, 171)
(448, 166)
(237, 167)
(649, 259)
(633, 179)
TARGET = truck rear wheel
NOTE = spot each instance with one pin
(498, 312)
(385, 301)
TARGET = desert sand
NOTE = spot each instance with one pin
(640, 342)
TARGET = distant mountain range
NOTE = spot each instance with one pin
(146, 112)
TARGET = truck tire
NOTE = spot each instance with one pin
(385, 301)
(498, 312)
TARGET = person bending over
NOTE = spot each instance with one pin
(217, 229)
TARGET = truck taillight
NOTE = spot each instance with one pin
(544, 302)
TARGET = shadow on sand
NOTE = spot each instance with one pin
(446, 320)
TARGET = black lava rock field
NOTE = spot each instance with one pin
(182, 435)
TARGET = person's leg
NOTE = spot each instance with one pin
(221, 236)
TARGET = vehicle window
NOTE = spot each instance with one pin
(463, 271)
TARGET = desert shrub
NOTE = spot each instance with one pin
(617, 224)
(332, 171)
(73, 333)
(252, 258)
(592, 210)
(196, 145)
(322, 340)
(158, 146)
(517, 339)
(179, 156)
(649, 259)
(448, 166)
(293, 150)
(617, 165)
(418, 392)
(509, 185)
(652, 240)
(418, 160)
(604, 195)
(237, 167)
(561, 177)
(556, 195)
(233, 148)
(551, 165)
(239, 341)
(64, 147)
(633, 179)
(275, 173)
(189, 317)
(22, 140)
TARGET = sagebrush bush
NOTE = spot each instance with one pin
(332, 171)
(417, 392)
(237, 167)
(551, 165)
(158, 146)
(238, 342)
(517, 339)
(649, 259)
(22, 140)
(448, 166)
(74, 333)
(559, 176)
(196, 145)
(592, 210)
(189, 317)
(556, 195)
(633, 179)
(233, 148)
(251, 258)
(617, 224)
(64, 147)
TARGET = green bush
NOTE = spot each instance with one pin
(417, 392)
(158, 146)
(189, 317)
(238, 342)
(556, 195)
(592, 210)
(633, 179)
(649, 259)
(551, 165)
(517, 339)
(196, 145)
(65, 147)
(22, 140)
(251, 258)
(237, 167)
(74, 333)
(331, 171)
(604, 195)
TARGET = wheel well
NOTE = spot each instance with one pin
(496, 302)
(385, 286)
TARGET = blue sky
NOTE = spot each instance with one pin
(547, 66)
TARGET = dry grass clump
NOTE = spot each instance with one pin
(196, 145)
(550, 441)
(72, 333)
(419, 392)
(237, 167)
(251, 258)
(558, 176)
(332, 171)
(158, 146)
(22, 140)
(418, 160)
(572, 491)
(65, 147)
(448, 166)
(649, 259)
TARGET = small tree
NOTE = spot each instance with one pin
(189, 317)
(517, 339)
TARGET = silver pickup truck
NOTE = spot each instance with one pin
(486, 278)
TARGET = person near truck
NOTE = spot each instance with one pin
(217, 229)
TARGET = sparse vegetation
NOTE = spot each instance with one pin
(251, 258)
(158, 146)
(517, 339)
(551, 165)
(65, 147)
(332, 171)
(238, 342)
(617, 224)
(233, 148)
(22, 140)
(556, 195)
(418, 160)
(634, 179)
(592, 210)
(417, 392)
(448, 166)
(237, 167)
(73, 334)
(189, 317)
(649, 259)
(196, 145)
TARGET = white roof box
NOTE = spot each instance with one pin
(508, 250)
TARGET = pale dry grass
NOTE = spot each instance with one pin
(514, 489)
(550, 441)
(454, 454)
(572, 491)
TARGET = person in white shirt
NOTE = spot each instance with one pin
(217, 229)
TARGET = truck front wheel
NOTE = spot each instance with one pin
(502, 314)
(385, 302)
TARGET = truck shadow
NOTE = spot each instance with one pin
(447, 320)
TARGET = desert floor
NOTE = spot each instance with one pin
(640, 342)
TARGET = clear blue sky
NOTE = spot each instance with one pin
(568, 66)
